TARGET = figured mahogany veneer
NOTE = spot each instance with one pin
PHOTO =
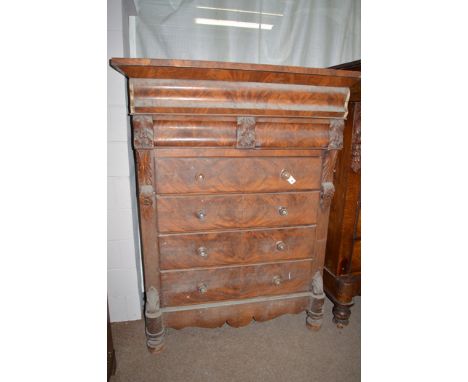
(235, 179)
(236, 313)
(152, 96)
(183, 213)
(214, 175)
(179, 251)
(226, 283)
(205, 131)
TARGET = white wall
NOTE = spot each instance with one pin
(123, 253)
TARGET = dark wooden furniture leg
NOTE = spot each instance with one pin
(341, 290)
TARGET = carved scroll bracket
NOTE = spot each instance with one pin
(147, 193)
(245, 132)
(356, 141)
(143, 133)
(326, 194)
(336, 134)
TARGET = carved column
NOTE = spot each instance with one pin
(143, 143)
(153, 320)
(315, 314)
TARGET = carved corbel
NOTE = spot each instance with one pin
(315, 313)
(336, 134)
(356, 141)
(143, 133)
(147, 200)
(154, 324)
(245, 132)
(326, 194)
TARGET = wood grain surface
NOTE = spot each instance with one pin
(236, 315)
(227, 71)
(212, 175)
(209, 152)
(225, 237)
(181, 213)
(181, 251)
(150, 96)
(204, 132)
(235, 282)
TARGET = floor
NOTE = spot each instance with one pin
(278, 350)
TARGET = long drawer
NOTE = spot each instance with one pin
(179, 251)
(209, 212)
(217, 284)
(202, 175)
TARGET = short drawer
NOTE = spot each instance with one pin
(210, 212)
(217, 284)
(179, 251)
(203, 175)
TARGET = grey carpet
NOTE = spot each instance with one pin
(278, 350)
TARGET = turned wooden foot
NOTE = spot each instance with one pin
(341, 314)
(153, 321)
(315, 313)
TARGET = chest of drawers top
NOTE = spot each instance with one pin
(235, 175)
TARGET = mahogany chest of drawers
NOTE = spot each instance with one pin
(235, 178)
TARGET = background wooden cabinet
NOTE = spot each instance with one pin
(342, 272)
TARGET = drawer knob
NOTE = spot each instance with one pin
(286, 175)
(202, 288)
(277, 280)
(280, 245)
(202, 251)
(200, 177)
(201, 214)
(283, 211)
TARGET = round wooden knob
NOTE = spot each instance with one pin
(200, 177)
(280, 246)
(277, 280)
(202, 288)
(283, 211)
(201, 214)
(202, 251)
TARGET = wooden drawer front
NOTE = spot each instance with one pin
(201, 175)
(235, 247)
(200, 213)
(198, 286)
(198, 132)
(182, 96)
